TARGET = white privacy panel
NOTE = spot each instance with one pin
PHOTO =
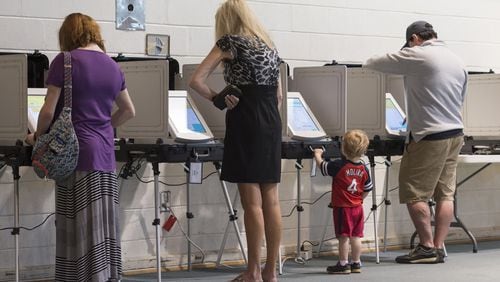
(13, 93)
(147, 83)
(480, 112)
(394, 84)
(366, 101)
(324, 90)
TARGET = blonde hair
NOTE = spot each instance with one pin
(354, 144)
(79, 30)
(235, 17)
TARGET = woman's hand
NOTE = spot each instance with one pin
(30, 139)
(231, 101)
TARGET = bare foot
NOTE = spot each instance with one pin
(244, 277)
(269, 277)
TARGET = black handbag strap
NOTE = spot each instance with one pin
(68, 82)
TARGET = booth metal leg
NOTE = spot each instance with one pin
(459, 222)
(300, 209)
(298, 258)
(156, 221)
(387, 202)
(189, 216)
(15, 231)
(232, 219)
(374, 207)
(328, 219)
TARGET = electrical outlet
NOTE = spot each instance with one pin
(196, 258)
(306, 255)
(165, 201)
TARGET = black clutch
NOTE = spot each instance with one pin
(219, 99)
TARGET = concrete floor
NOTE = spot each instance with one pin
(461, 265)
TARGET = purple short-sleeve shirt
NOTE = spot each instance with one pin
(97, 81)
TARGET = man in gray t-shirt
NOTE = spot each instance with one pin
(435, 81)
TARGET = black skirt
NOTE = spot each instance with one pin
(252, 144)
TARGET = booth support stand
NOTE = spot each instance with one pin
(232, 215)
(15, 156)
(374, 207)
(300, 208)
(189, 216)
(232, 219)
(15, 230)
(156, 221)
(387, 202)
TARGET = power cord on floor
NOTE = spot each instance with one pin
(189, 239)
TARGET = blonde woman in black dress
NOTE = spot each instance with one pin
(252, 144)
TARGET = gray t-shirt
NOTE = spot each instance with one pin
(435, 82)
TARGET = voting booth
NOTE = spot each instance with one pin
(344, 98)
(365, 101)
(324, 90)
(480, 111)
(173, 117)
(147, 83)
(13, 129)
(14, 81)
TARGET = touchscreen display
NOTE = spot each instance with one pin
(34, 105)
(183, 116)
(36, 98)
(298, 118)
(394, 118)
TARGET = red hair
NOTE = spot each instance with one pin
(79, 30)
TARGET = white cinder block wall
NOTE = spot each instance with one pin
(307, 33)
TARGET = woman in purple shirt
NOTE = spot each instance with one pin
(87, 231)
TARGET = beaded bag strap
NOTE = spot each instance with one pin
(68, 82)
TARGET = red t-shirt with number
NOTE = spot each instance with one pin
(350, 181)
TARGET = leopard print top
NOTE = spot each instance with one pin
(253, 61)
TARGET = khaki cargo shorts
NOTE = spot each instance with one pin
(429, 170)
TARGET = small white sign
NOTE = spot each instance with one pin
(195, 172)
